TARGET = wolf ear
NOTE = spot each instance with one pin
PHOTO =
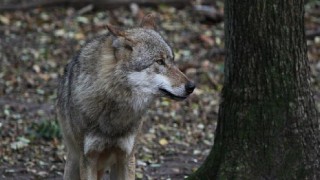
(121, 39)
(116, 30)
(122, 42)
(149, 21)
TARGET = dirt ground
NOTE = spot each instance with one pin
(35, 45)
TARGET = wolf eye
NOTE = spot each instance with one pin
(161, 62)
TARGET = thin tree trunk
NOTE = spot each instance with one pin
(268, 126)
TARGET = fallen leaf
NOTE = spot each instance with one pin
(21, 143)
(79, 36)
(36, 68)
(163, 142)
(207, 39)
(4, 20)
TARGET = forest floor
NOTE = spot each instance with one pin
(35, 45)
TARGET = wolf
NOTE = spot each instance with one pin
(106, 89)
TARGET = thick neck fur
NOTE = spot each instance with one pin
(106, 95)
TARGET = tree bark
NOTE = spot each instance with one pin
(268, 126)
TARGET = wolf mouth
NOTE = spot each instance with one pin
(171, 95)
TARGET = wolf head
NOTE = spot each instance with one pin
(149, 61)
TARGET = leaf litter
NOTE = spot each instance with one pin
(176, 136)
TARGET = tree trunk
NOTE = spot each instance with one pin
(268, 126)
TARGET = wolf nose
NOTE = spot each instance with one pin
(190, 87)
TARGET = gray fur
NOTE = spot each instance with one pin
(101, 98)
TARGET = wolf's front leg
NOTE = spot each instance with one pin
(89, 166)
(124, 168)
(71, 170)
(132, 167)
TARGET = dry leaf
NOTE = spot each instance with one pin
(163, 142)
